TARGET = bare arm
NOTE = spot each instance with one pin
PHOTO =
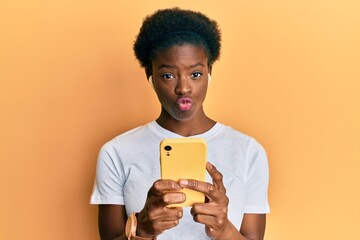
(152, 220)
(112, 220)
(253, 226)
(213, 214)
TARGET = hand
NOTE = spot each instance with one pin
(155, 217)
(212, 213)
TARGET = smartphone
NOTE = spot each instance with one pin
(184, 158)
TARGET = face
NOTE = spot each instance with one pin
(180, 76)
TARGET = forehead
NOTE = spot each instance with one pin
(181, 54)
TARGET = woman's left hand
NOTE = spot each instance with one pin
(212, 213)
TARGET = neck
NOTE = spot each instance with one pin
(197, 125)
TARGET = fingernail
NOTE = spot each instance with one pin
(166, 198)
(175, 185)
(183, 197)
(209, 166)
(183, 182)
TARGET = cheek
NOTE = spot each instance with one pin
(164, 97)
(203, 92)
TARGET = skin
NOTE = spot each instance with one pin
(177, 72)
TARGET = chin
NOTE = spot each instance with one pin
(183, 116)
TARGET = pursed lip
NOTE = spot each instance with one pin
(184, 103)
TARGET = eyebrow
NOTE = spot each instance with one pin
(191, 66)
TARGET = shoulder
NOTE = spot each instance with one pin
(138, 135)
(231, 135)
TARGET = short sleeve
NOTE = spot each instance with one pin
(109, 181)
(257, 179)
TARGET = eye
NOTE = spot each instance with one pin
(196, 75)
(167, 76)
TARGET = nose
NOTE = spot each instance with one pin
(183, 86)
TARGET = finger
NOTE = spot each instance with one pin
(175, 213)
(207, 209)
(198, 208)
(206, 188)
(165, 214)
(216, 176)
(164, 225)
(162, 185)
(168, 214)
(199, 186)
(166, 199)
(173, 197)
(209, 220)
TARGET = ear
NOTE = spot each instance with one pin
(149, 77)
(210, 69)
(151, 82)
(209, 74)
(148, 72)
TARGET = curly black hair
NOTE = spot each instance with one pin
(169, 27)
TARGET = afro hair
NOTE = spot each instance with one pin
(169, 27)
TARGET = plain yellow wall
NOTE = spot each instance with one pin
(288, 76)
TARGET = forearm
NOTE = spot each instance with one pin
(122, 237)
(232, 233)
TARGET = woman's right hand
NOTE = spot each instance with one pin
(155, 217)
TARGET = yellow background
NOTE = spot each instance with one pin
(288, 76)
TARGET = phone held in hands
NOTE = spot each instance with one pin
(184, 158)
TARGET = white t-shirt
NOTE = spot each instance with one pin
(129, 164)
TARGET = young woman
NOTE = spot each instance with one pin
(177, 49)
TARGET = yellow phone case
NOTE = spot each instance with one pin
(184, 158)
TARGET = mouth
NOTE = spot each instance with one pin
(185, 103)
